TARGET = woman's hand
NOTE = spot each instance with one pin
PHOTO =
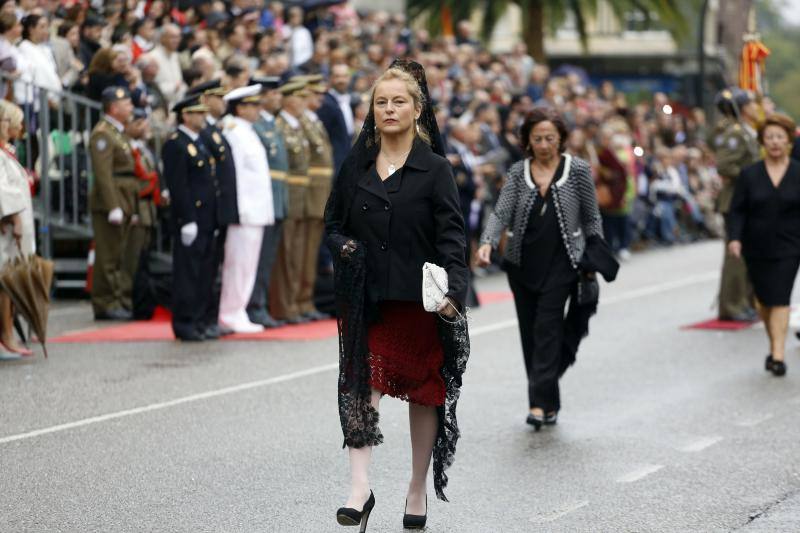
(348, 248)
(15, 221)
(447, 308)
(485, 255)
(735, 249)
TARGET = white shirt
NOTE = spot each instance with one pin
(169, 78)
(344, 104)
(311, 115)
(114, 122)
(301, 44)
(266, 115)
(293, 122)
(192, 135)
(253, 180)
(38, 68)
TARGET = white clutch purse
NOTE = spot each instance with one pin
(434, 288)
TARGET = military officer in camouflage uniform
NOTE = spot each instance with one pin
(275, 146)
(287, 273)
(143, 218)
(735, 142)
(320, 172)
(112, 201)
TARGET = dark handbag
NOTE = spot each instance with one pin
(588, 289)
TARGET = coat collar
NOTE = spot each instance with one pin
(420, 158)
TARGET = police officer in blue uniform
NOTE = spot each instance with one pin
(211, 93)
(190, 172)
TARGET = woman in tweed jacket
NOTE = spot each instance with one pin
(548, 208)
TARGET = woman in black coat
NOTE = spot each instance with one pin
(549, 209)
(764, 227)
(393, 208)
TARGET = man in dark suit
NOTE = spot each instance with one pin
(189, 168)
(211, 93)
(336, 114)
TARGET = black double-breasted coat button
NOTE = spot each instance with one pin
(384, 246)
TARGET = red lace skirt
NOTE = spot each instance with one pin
(406, 354)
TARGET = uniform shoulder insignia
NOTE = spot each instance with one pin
(174, 136)
(216, 137)
(191, 149)
(719, 139)
(733, 142)
(101, 144)
(736, 127)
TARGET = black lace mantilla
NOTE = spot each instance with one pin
(358, 418)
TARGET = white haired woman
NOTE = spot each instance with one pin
(16, 217)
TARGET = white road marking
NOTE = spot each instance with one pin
(700, 445)
(641, 473)
(171, 403)
(559, 513)
(482, 330)
(756, 420)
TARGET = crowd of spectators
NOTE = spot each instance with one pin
(656, 177)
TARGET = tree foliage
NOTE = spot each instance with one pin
(539, 15)
(783, 65)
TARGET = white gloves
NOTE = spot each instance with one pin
(115, 216)
(188, 233)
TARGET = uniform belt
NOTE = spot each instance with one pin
(320, 172)
(298, 180)
(277, 175)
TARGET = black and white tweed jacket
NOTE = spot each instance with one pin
(574, 198)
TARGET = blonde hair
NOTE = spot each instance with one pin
(413, 89)
(12, 112)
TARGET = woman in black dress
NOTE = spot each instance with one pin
(764, 227)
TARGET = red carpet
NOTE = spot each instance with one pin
(159, 329)
(720, 325)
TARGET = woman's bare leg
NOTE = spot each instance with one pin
(777, 327)
(424, 423)
(7, 322)
(360, 459)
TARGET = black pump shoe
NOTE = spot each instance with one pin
(535, 421)
(551, 419)
(347, 516)
(778, 368)
(415, 521)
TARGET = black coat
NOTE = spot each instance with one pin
(331, 116)
(420, 222)
(190, 177)
(225, 182)
(765, 219)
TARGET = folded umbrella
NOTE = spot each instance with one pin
(27, 281)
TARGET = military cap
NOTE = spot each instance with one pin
(308, 78)
(728, 100)
(114, 94)
(293, 87)
(267, 82)
(190, 104)
(210, 88)
(244, 95)
(318, 88)
(140, 113)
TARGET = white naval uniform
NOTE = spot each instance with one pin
(243, 243)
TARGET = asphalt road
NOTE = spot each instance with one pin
(662, 429)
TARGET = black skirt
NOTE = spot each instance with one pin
(773, 279)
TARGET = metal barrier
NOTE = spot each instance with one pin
(56, 148)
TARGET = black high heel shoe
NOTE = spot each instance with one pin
(535, 421)
(778, 368)
(347, 516)
(415, 521)
(551, 419)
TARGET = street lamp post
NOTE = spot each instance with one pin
(701, 57)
